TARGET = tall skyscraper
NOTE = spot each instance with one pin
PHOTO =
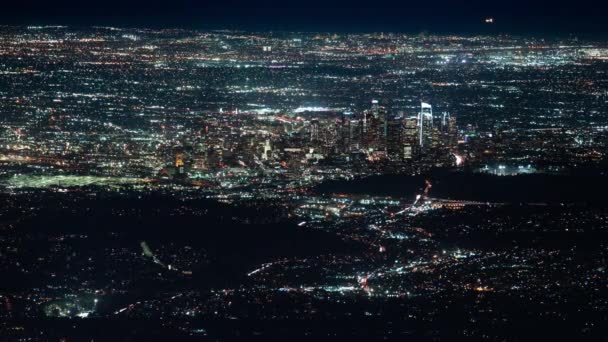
(345, 132)
(445, 116)
(425, 123)
(314, 130)
(452, 132)
(394, 139)
(266, 150)
(375, 108)
(410, 137)
(377, 128)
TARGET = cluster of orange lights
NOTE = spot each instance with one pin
(483, 289)
(179, 161)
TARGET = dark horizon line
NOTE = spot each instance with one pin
(491, 30)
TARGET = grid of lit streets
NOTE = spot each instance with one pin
(227, 184)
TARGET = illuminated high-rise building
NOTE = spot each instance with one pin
(410, 137)
(375, 128)
(355, 133)
(445, 116)
(425, 124)
(329, 136)
(180, 165)
(314, 130)
(394, 139)
(375, 108)
(266, 150)
(452, 132)
(345, 132)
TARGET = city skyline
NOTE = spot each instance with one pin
(162, 183)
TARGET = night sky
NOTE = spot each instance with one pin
(559, 17)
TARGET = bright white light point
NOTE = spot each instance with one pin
(459, 160)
